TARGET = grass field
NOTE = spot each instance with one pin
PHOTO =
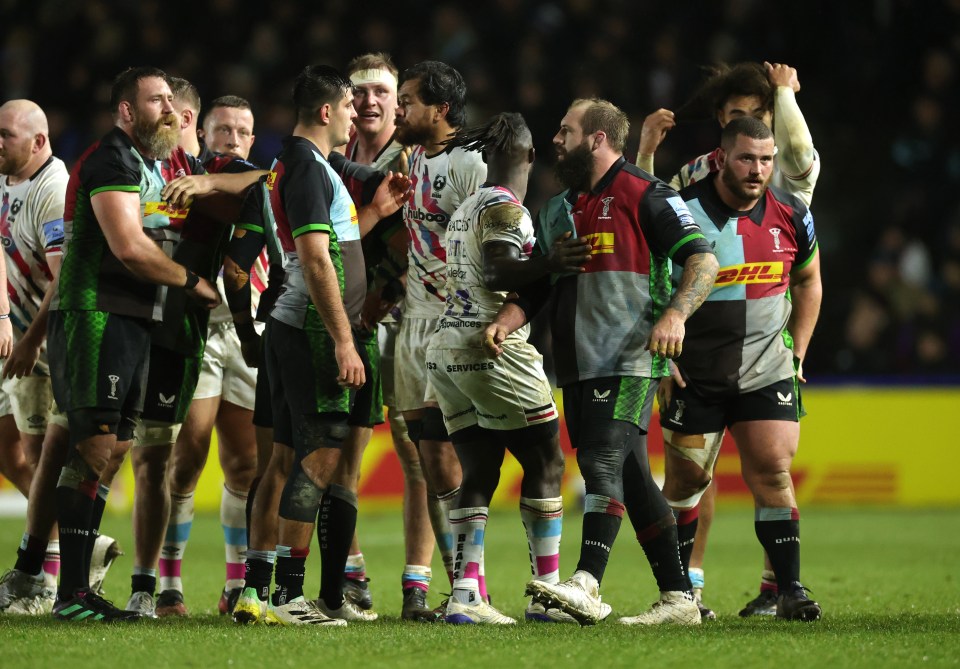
(887, 580)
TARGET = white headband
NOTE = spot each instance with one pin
(377, 76)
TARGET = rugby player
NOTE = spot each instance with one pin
(743, 361)
(612, 351)
(224, 396)
(108, 292)
(491, 406)
(431, 110)
(767, 92)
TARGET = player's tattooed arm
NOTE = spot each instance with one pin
(699, 274)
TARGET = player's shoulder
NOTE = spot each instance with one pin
(52, 176)
(459, 158)
(788, 201)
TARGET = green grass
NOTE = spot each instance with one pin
(885, 577)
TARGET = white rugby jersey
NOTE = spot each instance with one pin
(492, 214)
(440, 183)
(31, 225)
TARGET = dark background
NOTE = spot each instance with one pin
(879, 92)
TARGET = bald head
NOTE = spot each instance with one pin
(24, 139)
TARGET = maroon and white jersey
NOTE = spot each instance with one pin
(440, 182)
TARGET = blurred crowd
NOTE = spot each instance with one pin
(879, 86)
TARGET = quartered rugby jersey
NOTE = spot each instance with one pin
(737, 341)
(255, 220)
(305, 195)
(492, 214)
(202, 245)
(440, 183)
(31, 224)
(91, 277)
(601, 319)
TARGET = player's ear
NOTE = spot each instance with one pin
(531, 155)
(721, 157)
(440, 111)
(323, 114)
(125, 110)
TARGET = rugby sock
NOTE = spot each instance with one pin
(439, 507)
(482, 580)
(51, 562)
(778, 530)
(291, 566)
(543, 522)
(468, 525)
(233, 505)
(259, 570)
(601, 522)
(416, 576)
(76, 490)
(768, 582)
(687, 522)
(175, 541)
(659, 543)
(30, 555)
(338, 521)
(144, 579)
(96, 517)
(356, 567)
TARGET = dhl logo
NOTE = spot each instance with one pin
(753, 272)
(354, 219)
(602, 242)
(271, 180)
(165, 209)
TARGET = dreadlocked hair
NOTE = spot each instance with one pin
(506, 133)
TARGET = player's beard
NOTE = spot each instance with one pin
(736, 185)
(12, 161)
(575, 168)
(409, 135)
(158, 140)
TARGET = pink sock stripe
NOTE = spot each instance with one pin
(52, 567)
(482, 586)
(416, 584)
(472, 570)
(547, 564)
(235, 571)
(768, 587)
(169, 567)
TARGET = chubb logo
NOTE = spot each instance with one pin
(785, 400)
(602, 242)
(601, 397)
(754, 272)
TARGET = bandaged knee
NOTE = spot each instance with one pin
(700, 449)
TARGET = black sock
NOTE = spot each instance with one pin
(257, 576)
(143, 583)
(778, 530)
(250, 495)
(335, 528)
(75, 500)
(601, 523)
(687, 522)
(659, 543)
(291, 566)
(31, 554)
(96, 517)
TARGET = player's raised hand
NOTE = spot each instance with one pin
(654, 130)
(181, 191)
(780, 74)
(351, 367)
(568, 254)
(6, 337)
(392, 193)
(666, 337)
